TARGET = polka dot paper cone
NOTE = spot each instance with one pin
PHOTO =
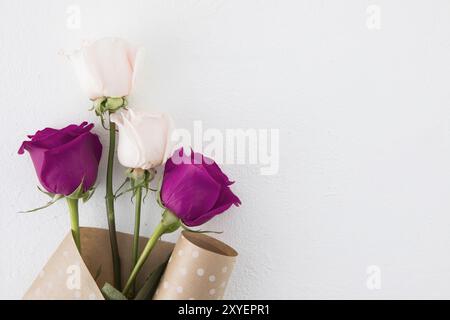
(199, 269)
(67, 275)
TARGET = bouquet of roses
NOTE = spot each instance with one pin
(192, 190)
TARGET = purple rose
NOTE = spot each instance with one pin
(64, 158)
(195, 189)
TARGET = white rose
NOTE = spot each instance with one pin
(144, 138)
(106, 67)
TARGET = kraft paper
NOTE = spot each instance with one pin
(198, 269)
(67, 275)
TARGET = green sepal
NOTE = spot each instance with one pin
(158, 194)
(170, 221)
(121, 186)
(136, 181)
(51, 195)
(98, 106)
(114, 104)
(80, 194)
(111, 293)
(103, 105)
(149, 176)
(88, 194)
(200, 231)
(102, 121)
(55, 198)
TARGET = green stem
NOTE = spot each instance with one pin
(137, 224)
(74, 221)
(110, 207)
(169, 223)
(159, 231)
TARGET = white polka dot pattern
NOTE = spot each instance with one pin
(200, 272)
(195, 273)
(66, 276)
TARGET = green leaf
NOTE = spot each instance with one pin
(151, 283)
(98, 273)
(111, 293)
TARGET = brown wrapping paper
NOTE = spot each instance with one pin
(67, 275)
(198, 269)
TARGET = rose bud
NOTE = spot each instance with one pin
(63, 158)
(105, 68)
(66, 163)
(144, 138)
(144, 143)
(195, 189)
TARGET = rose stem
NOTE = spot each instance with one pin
(159, 231)
(110, 207)
(169, 223)
(137, 222)
(74, 221)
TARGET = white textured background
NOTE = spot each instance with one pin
(363, 115)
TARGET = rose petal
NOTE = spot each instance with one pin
(59, 155)
(50, 138)
(143, 138)
(226, 199)
(105, 67)
(189, 190)
(66, 166)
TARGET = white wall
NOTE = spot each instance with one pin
(363, 115)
